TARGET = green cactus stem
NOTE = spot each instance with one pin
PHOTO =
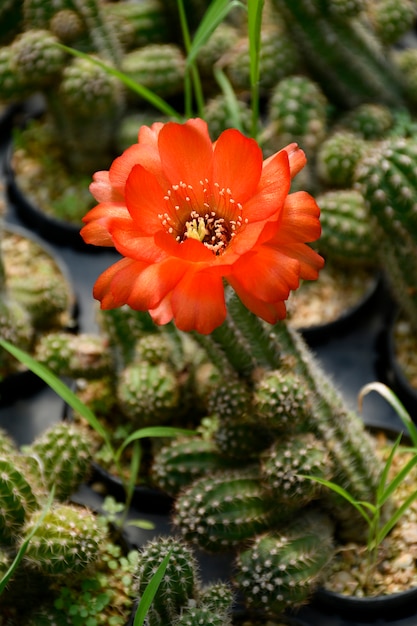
(369, 121)
(65, 543)
(391, 19)
(337, 157)
(250, 344)
(179, 584)
(282, 569)
(342, 54)
(347, 234)
(17, 499)
(221, 511)
(178, 464)
(387, 180)
(148, 394)
(75, 356)
(65, 453)
(286, 463)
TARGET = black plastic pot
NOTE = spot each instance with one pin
(378, 609)
(390, 370)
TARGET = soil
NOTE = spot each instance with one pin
(335, 293)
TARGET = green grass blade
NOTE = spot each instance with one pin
(150, 592)
(380, 492)
(359, 506)
(215, 14)
(396, 404)
(58, 386)
(152, 431)
(142, 91)
(231, 99)
(389, 525)
(398, 479)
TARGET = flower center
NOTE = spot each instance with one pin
(213, 221)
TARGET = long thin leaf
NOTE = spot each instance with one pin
(396, 404)
(383, 532)
(398, 479)
(137, 88)
(58, 386)
(232, 102)
(380, 492)
(21, 552)
(152, 431)
(215, 14)
(345, 494)
(150, 591)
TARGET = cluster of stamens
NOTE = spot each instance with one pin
(214, 222)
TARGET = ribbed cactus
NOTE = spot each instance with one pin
(176, 465)
(369, 120)
(180, 581)
(391, 19)
(138, 24)
(17, 499)
(65, 543)
(348, 234)
(387, 180)
(286, 464)
(297, 111)
(221, 511)
(337, 157)
(84, 355)
(36, 58)
(282, 401)
(218, 116)
(148, 394)
(342, 53)
(65, 452)
(202, 615)
(282, 569)
(279, 57)
(159, 67)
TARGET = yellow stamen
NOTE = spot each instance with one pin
(196, 229)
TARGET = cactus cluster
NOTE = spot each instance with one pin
(31, 303)
(181, 599)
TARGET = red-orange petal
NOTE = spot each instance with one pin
(102, 189)
(237, 164)
(272, 191)
(108, 289)
(186, 154)
(145, 200)
(268, 274)
(271, 312)
(138, 154)
(198, 302)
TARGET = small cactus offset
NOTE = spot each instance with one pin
(282, 569)
(17, 499)
(337, 157)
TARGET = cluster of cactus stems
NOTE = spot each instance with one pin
(30, 303)
(265, 412)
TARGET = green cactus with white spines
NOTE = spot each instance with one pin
(282, 401)
(386, 178)
(278, 58)
(65, 543)
(218, 596)
(17, 499)
(343, 54)
(406, 61)
(218, 116)
(369, 121)
(391, 19)
(138, 24)
(242, 438)
(202, 615)
(36, 58)
(66, 454)
(338, 156)
(15, 327)
(347, 233)
(147, 393)
(285, 465)
(221, 511)
(178, 464)
(282, 569)
(75, 356)
(158, 67)
(297, 111)
(180, 581)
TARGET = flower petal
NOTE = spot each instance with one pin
(97, 222)
(271, 312)
(110, 288)
(237, 164)
(144, 200)
(198, 302)
(102, 189)
(273, 189)
(186, 154)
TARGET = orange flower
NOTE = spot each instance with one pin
(187, 214)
